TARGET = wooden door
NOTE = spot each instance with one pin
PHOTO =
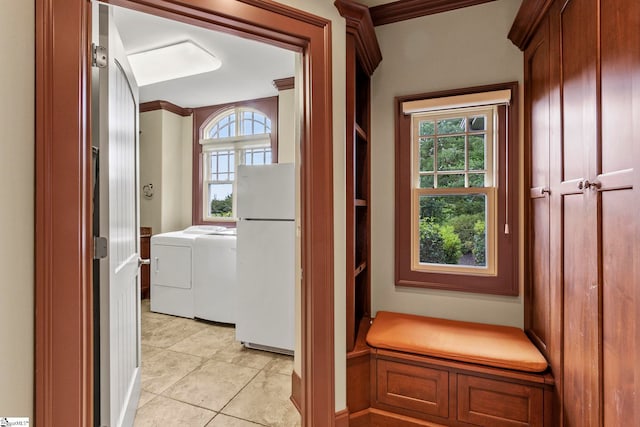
(579, 237)
(537, 95)
(120, 363)
(617, 184)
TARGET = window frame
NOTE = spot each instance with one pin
(505, 281)
(202, 117)
(489, 191)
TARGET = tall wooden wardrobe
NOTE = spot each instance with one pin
(582, 125)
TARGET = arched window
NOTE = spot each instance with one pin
(238, 136)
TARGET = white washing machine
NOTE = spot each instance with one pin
(172, 270)
(214, 276)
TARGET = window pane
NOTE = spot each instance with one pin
(456, 125)
(220, 200)
(426, 154)
(448, 181)
(427, 127)
(426, 181)
(451, 153)
(223, 132)
(223, 162)
(476, 152)
(257, 156)
(246, 127)
(213, 162)
(476, 123)
(452, 229)
(476, 180)
(255, 123)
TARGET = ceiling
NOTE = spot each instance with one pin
(247, 72)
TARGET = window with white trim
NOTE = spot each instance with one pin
(457, 190)
(234, 137)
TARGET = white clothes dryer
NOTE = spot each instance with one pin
(214, 277)
(172, 270)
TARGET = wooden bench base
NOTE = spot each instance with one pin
(408, 389)
(390, 388)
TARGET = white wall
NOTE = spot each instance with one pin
(187, 160)
(165, 162)
(172, 171)
(286, 126)
(16, 208)
(151, 169)
(461, 48)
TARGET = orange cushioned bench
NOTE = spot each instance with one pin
(454, 373)
(499, 346)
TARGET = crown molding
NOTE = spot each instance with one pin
(527, 20)
(165, 105)
(407, 9)
(360, 26)
(284, 84)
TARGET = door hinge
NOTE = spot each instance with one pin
(98, 56)
(99, 247)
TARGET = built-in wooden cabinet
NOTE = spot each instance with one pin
(582, 93)
(362, 57)
(358, 191)
(145, 269)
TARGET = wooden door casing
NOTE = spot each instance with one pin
(63, 296)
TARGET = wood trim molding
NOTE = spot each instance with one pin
(63, 265)
(342, 418)
(360, 25)
(63, 374)
(201, 117)
(506, 282)
(284, 84)
(167, 106)
(408, 9)
(296, 391)
(527, 20)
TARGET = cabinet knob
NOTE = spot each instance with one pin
(582, 184)
(545, 190)
(595, 185)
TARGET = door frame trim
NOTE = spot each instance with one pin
(63, 254)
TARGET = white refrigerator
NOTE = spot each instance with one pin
(265, 257)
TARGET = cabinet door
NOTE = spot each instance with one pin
(537, 87)
(579, 249)
(618, 189)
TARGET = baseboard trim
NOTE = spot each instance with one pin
(296, 391)
(377, 417)
(342, 418)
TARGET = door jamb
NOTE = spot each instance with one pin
(63, 285)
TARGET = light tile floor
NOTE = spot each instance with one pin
(194, 374)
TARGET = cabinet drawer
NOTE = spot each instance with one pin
(487, 402)
(411, 387)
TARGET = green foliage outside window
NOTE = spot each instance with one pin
(222, 208)
(439, 244)
(452, 229)
(479, 239)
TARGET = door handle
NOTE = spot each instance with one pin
(143, 262)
